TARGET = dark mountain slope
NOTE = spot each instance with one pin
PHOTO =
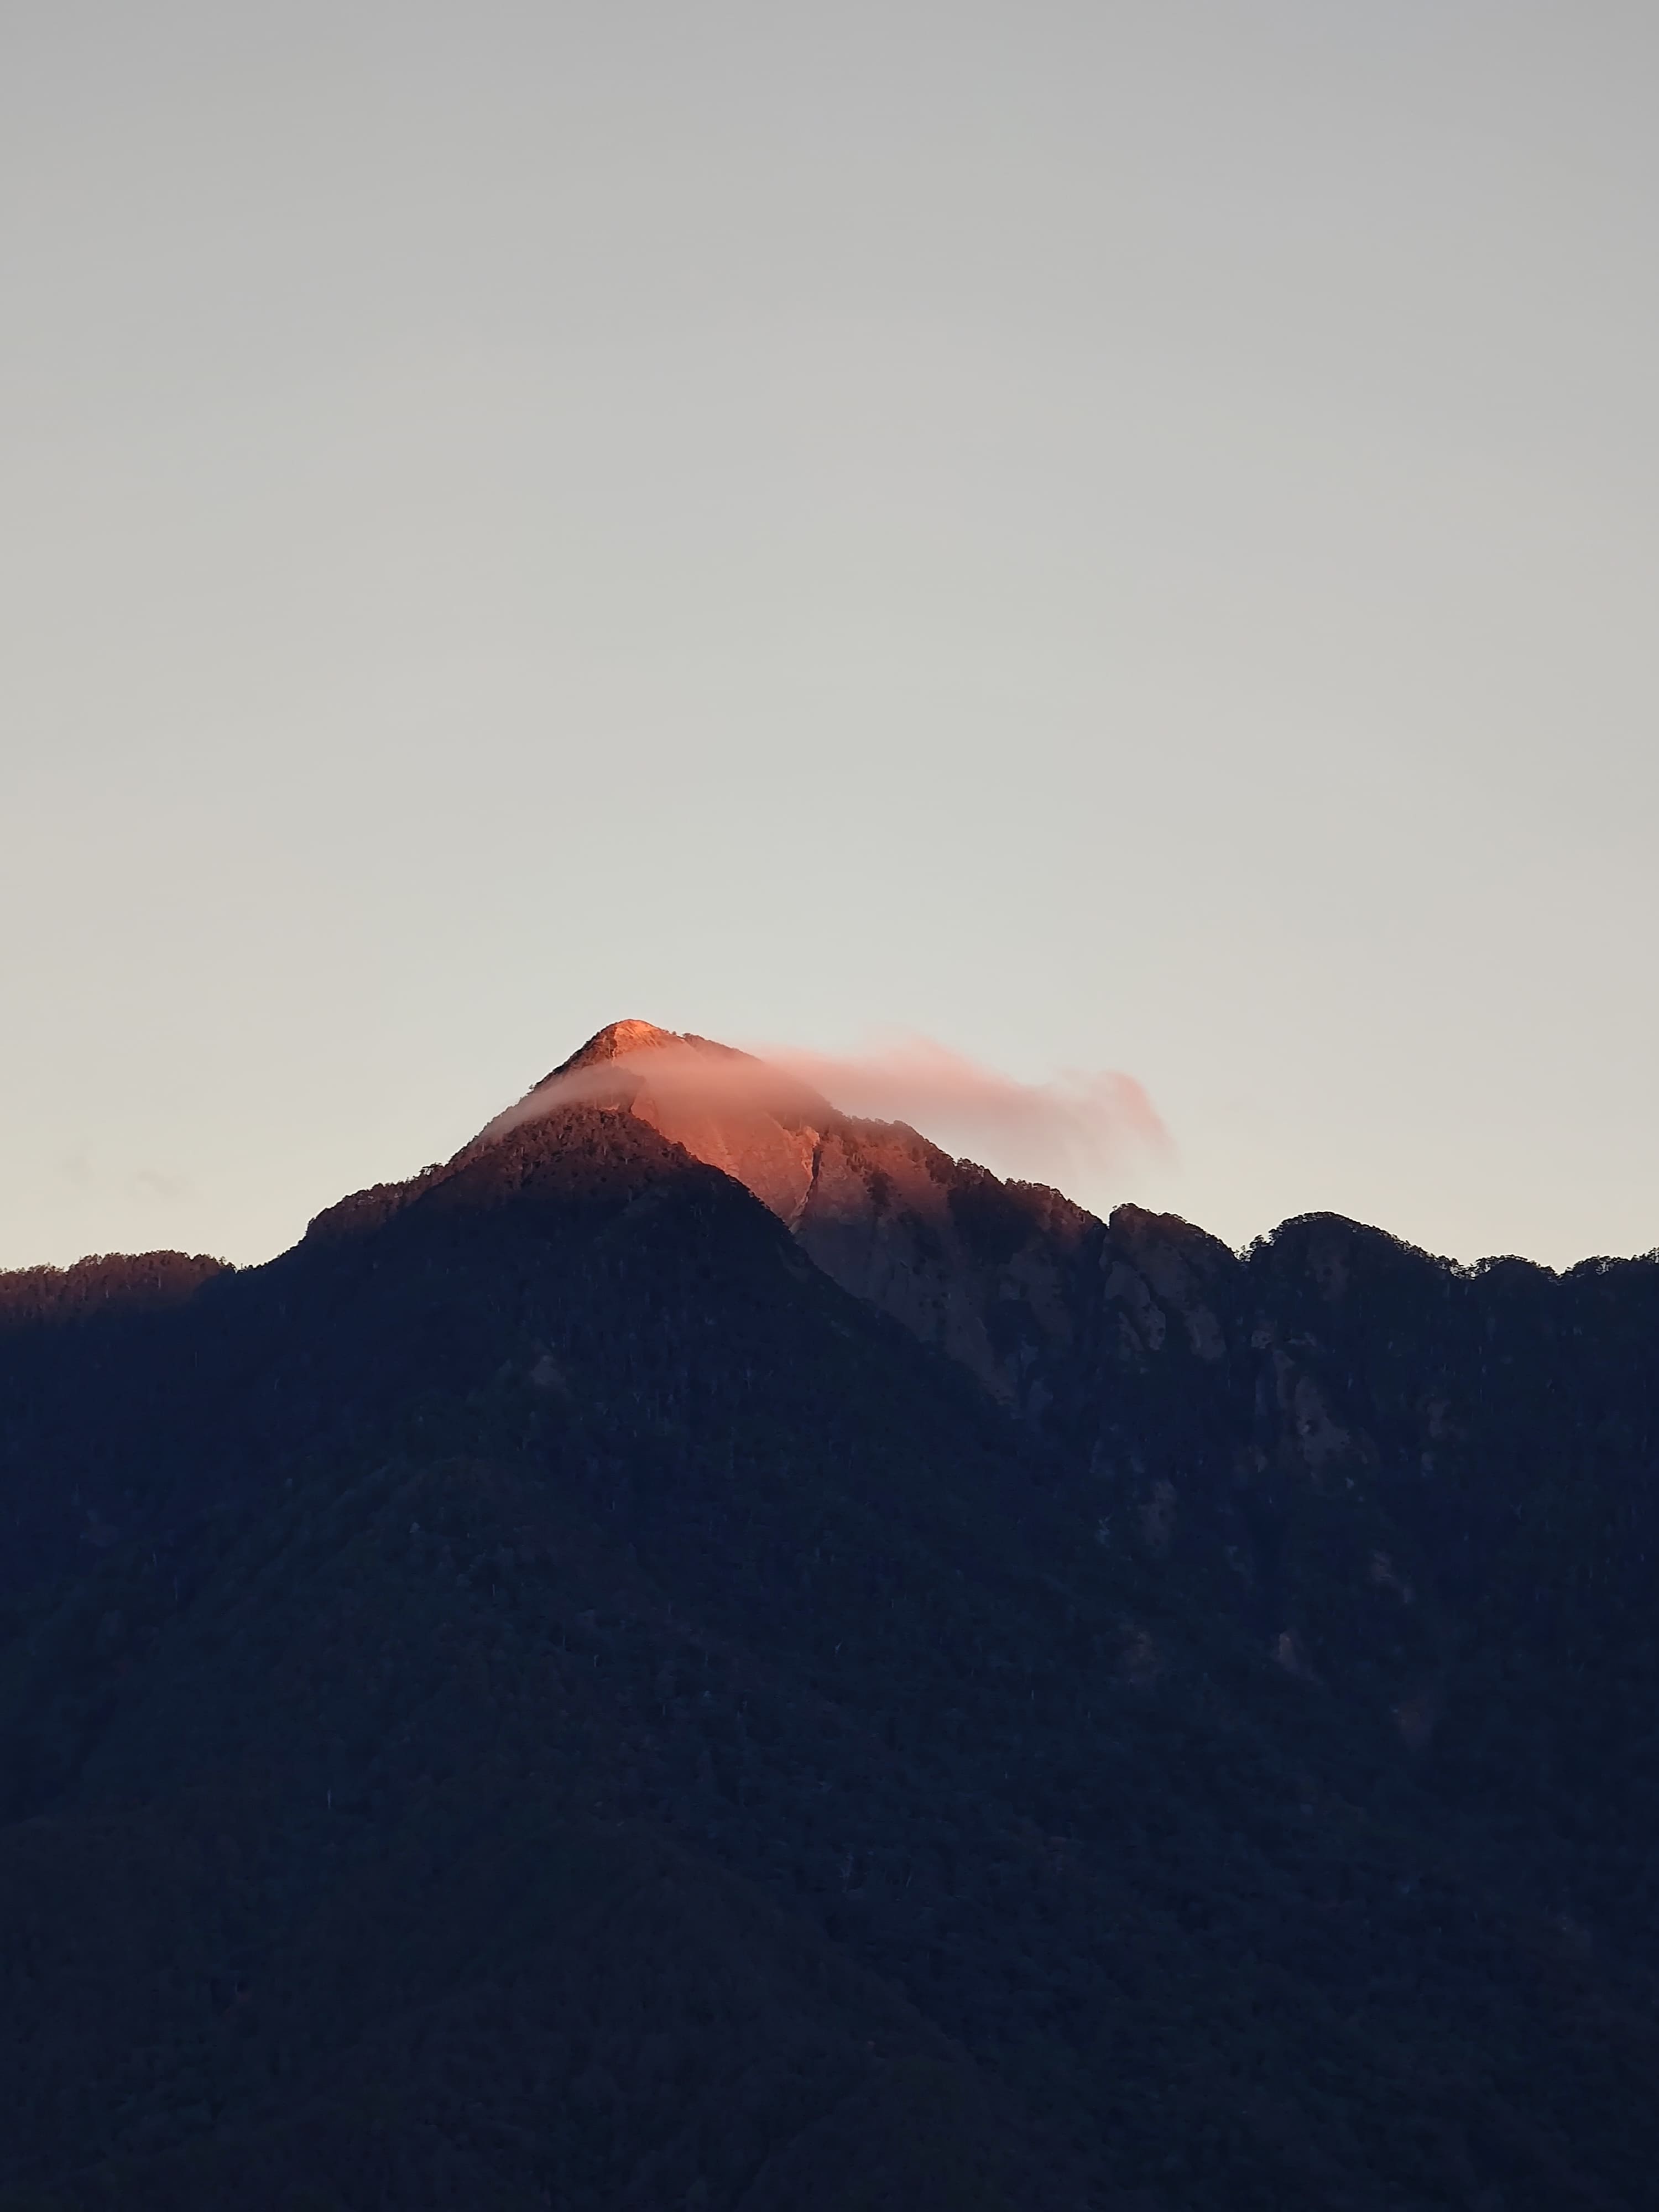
(1407, 1476)
(577, 1709)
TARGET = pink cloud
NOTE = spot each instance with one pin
(709, 1080)
(1078, 1125)
(1045, 1131)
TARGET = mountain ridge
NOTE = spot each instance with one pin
(548, 1693)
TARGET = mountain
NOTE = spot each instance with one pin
(980, 1269)
(704, 1653)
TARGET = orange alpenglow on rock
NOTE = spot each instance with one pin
(937, 1243)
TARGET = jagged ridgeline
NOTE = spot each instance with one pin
(705, 1654)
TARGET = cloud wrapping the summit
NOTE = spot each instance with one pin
(1078, 1127)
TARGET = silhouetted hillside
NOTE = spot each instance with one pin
(541, 1696)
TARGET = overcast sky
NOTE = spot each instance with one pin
(1112, 536)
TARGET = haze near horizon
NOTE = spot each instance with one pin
(1118, 538)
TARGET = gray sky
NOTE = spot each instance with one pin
(1115, 536)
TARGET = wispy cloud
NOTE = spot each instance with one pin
(1079, 1125)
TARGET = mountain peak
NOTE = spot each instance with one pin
(628, 1040)
(883, 1212)
(617, 1041)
